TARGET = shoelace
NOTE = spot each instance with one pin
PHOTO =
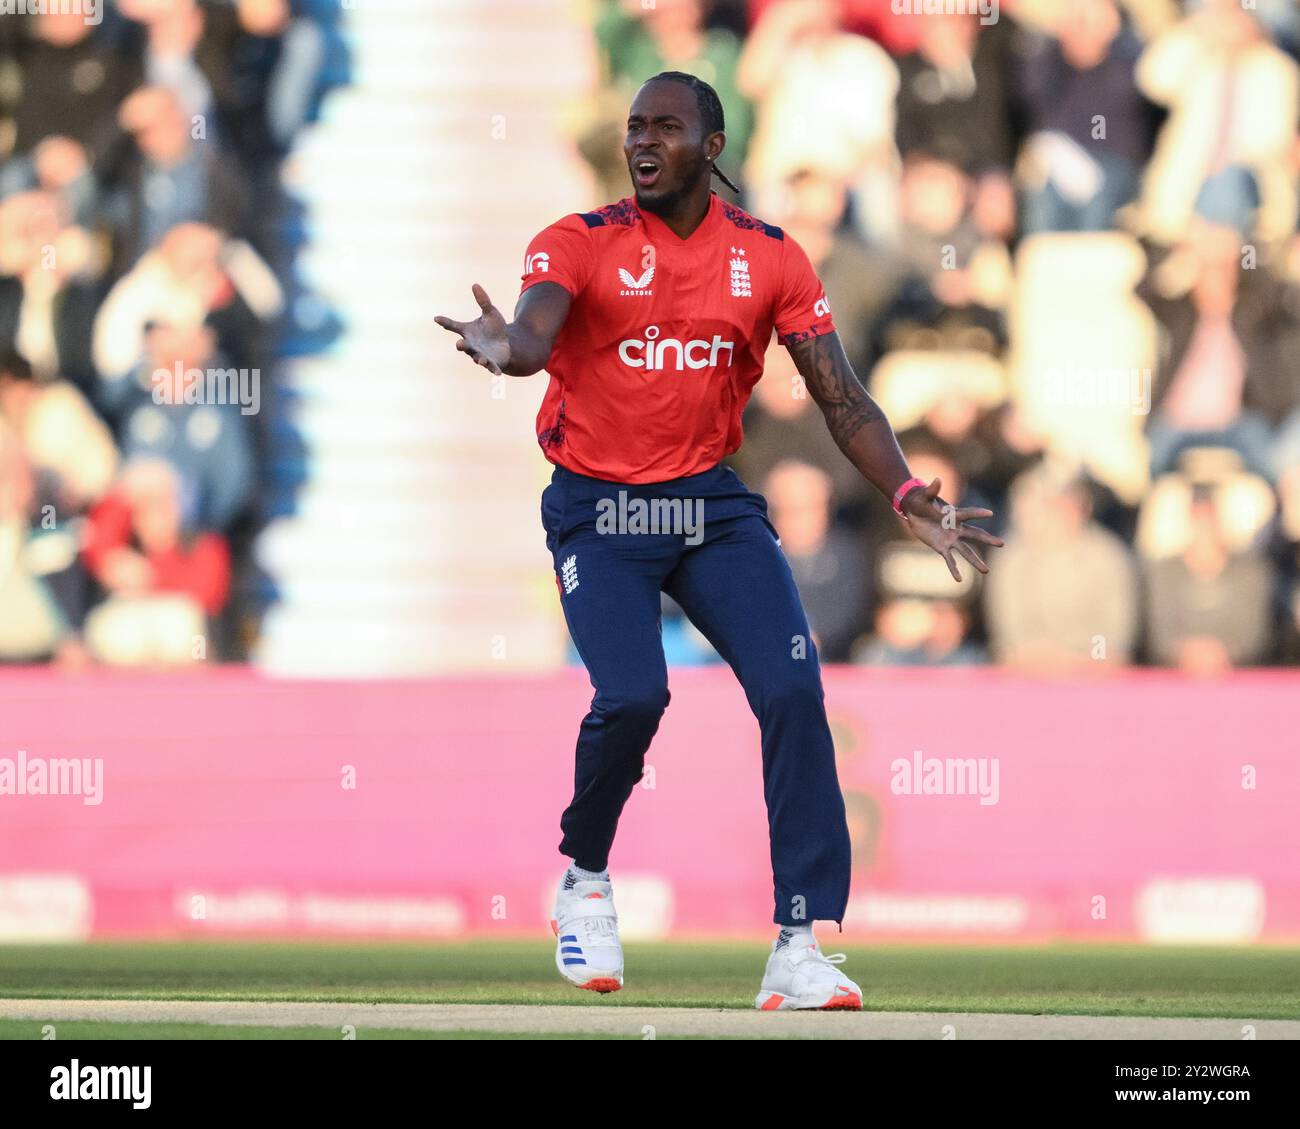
(828, 958)
(814, 955)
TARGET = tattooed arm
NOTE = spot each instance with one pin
(853, 417)
(865, 436)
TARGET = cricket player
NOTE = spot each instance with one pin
(652, 316)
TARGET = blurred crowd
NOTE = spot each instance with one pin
(1059, 239)
(143, 277)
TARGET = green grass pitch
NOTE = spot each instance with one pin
(1259, 983)
(69, 1030)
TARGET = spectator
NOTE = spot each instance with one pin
(1005, 448)
(245, 75)
(827, 562)
(1227, 374)
(875, 19)
(206, 444)
(43, 589)
(61, 167)
(48, 287)
(954, 102)
(171, 177)
(824, 101)
(948, 432)
(163, 580)
(922, 618)
(1063, 596)
(1210, 607)
(1090, 129)
(193, 277)
(858, 282)
(66, 443)
(953, 279)
(185, 48)
(1225, 150)
(65, 81)
(276, 64)
(123, 216)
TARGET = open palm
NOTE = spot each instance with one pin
(943, 527)
(484, 339)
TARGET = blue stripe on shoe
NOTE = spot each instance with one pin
(571, 949)
(569, 937)
(574, 960)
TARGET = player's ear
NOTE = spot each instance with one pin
(714, 144)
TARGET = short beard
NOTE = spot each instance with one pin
(670, 202)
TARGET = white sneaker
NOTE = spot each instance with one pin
(800, 976)
(587, 950)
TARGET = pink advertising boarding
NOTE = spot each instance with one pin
(984, 806)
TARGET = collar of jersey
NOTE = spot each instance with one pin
(660, 230)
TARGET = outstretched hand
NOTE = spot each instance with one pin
(484, 339)
(943, 527)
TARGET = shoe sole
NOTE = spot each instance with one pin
(774, 1001)
(602, 984)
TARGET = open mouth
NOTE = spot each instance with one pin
(645, 172)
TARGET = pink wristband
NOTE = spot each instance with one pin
(903, 491)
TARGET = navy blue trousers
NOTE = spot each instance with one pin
(728, 573)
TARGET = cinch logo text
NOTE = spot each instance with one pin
(655, 355)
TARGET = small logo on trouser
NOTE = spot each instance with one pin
(569, 574)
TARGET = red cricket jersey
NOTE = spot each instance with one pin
(665, 337)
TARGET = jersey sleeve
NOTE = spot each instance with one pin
(801, 307)
(562, 253)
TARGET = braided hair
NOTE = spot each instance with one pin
(710, 107)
